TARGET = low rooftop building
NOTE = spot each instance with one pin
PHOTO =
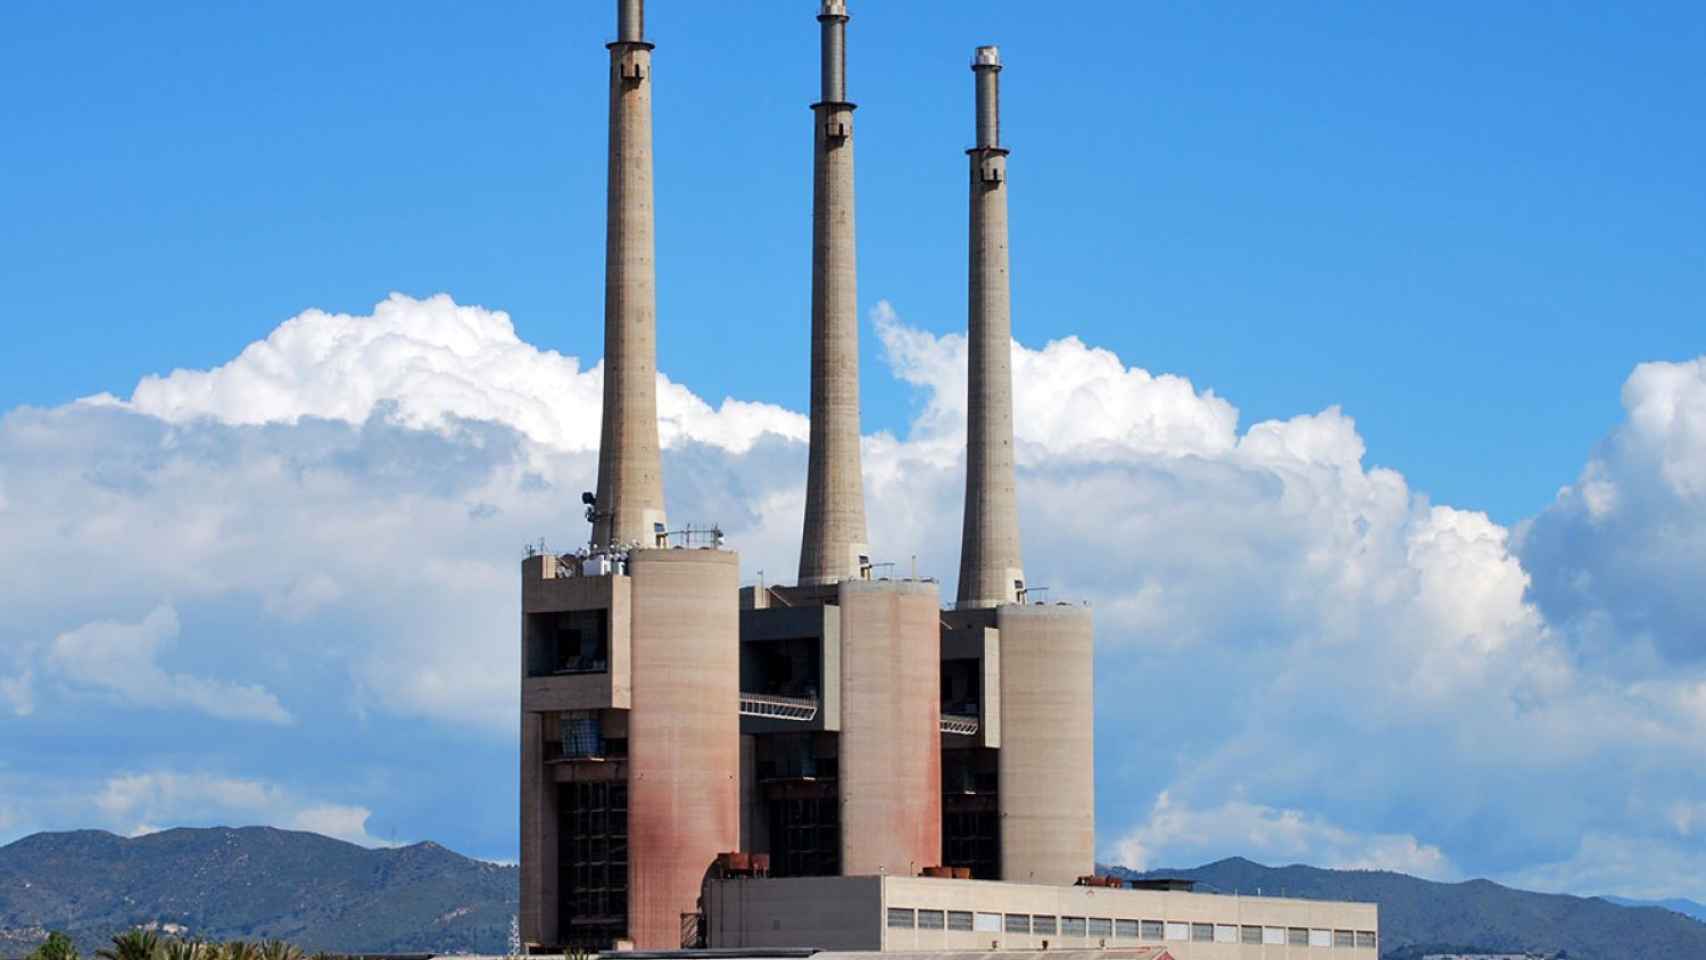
(926, 915)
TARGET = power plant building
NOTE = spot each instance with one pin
(844, 763)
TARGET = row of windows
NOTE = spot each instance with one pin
(1043, 925)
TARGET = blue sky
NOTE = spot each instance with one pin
(1465, 227)
(1464, 223)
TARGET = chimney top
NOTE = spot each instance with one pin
(833, 8)
(985, 57)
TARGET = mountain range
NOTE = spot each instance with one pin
(1687, 908)
(324, 894)
(253, 883)
(1474, 916)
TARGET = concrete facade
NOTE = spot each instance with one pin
(991, 572)
(834, 545)
(854, 913)
(630, 474)
(684, 734)
(848, 727)
(550, 587)
(1047, 760)
(891, 743)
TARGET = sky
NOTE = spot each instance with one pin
(1371, 334)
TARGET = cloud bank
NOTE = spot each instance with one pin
(1300, 657)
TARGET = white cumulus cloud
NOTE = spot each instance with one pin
(1271, 834)
(120, 658)
(1306, 658)
(1616, 556)
(138, 803)
(430, 360)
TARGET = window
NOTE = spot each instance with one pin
(1273, 935)
(1344, 938)
(1202, 933)
(930, 920)
(1297, 937)
(1225, 933)
(1018, 923)
(987, 923)
(901, 919)
(582, 733)
(1151, 929)
(1178, 931)
(1125, 929)
(1043, 926)
(1101, 927)
(959, 920)
(1072, 926)
(1320, 938)
(1366, 940)
(1250, 935)
(573, 642)
(592, 856)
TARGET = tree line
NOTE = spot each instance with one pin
(148, 945)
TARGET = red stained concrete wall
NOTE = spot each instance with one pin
(684, 733)
(891, 742)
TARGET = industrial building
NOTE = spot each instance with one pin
(844, 763)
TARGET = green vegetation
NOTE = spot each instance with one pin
(147, 945)
(242, 888)
(58, 946)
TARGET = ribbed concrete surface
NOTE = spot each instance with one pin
(891, 742)
(684, 733)
(1047, 761)
(989, 545)
(835, 534)
(537, 916)
(630, 477)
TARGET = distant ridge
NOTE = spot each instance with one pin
(324, 894)
(1687, 908)
(253, 883)
(1477, 914)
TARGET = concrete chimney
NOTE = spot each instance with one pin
(629, 507)
(834, 546)
(990, 569)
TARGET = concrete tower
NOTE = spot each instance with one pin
(990, 570)
(630, 478)
(630, 663)
(834, 545)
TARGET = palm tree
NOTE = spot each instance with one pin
(132, 945)
(280, 950)
(238, 950)
(184, 950)
(57, 947)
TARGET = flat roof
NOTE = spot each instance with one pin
(1014, 886)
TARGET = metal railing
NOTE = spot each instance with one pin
(778, 708)
(964, 726)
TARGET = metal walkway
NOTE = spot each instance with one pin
(777, 708)
(802, 710)
(964, 726)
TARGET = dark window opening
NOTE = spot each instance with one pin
(805, 836)
(569, 643)
(783, 668)
(593, 864)
(796, 756)
(962, 688)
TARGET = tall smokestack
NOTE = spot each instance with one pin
(990, 570)
(834, 546)
(630, 477)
